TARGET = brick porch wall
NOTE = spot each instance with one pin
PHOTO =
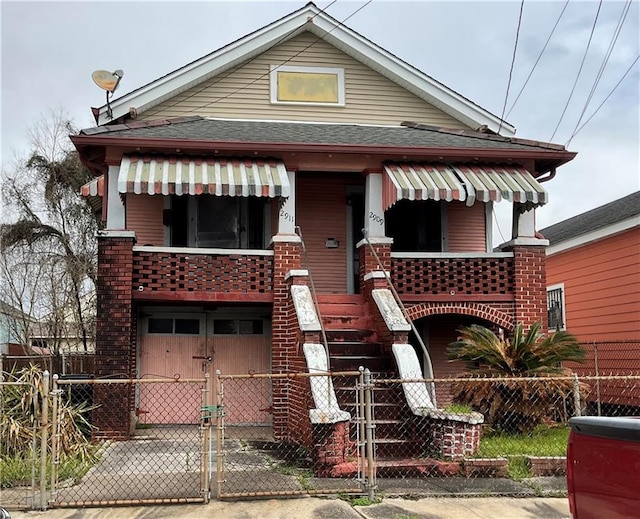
(530, 286)
(115, 342)
(368, 264)
(285, 340)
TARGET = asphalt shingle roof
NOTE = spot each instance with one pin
(226, 130)
(597, 218)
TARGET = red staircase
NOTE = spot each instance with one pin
(353, 343)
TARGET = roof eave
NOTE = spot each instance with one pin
(556, 157)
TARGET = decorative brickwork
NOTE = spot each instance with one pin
(486, 312)
(530, 289)
(285, 334)
(115, 342)
(547, 465)
(486, 467)
(204, 273)
(453, 276)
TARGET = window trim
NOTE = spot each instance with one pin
(550, 288)
(273, 79)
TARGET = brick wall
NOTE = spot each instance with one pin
(285, 340)
(115, 342)
(530, 288)
(368, 264)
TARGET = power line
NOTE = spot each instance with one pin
(605, 99)
(584, 57)
(318, 38)
(513, 60)
(605, 61)
(539, 57)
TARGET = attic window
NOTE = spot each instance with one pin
(319, 86)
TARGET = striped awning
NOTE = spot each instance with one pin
(460, 182)
(166, 175)
(94, 187)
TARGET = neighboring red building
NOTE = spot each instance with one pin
(593, 286)
(212, 172)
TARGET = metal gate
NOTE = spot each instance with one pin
(162, 460)
(288, 454)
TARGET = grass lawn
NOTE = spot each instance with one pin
(543, 441)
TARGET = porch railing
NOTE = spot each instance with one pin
(446, 275)
(203, 273)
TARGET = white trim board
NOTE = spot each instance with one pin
(592, 236)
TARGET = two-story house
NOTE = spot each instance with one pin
(257, 167)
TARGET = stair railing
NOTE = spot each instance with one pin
(314, 296)
(387, 276)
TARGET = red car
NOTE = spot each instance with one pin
(603, 467)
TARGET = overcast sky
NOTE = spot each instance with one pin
(49, 50)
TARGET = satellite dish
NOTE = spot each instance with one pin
(108, 81)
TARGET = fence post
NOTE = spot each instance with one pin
(44, 423)
(55, 433)
(369, 426)
(362, 448)
(219, 406)
(206, 438)
(576, 395)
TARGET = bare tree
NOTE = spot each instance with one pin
(54, 225)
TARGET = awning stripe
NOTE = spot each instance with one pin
(167, 175)
(94, 187)
(420, 182)
(489, 183)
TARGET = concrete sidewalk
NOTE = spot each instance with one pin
(319, 508)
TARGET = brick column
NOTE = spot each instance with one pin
(286, 257)
(115, 344)
(530, 285)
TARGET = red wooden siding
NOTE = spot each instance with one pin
(144, 217)
(321, 213)
(466, 227)
(602, 287)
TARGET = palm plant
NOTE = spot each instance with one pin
(511, 404)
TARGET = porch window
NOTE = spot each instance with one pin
(556, 307)
(222, 222)
(415, 226)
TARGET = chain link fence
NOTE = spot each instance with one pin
(501, 436)
(261, 452)
(166, 453)
(21, 455)
(289, 434)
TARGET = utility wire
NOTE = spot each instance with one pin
(513, 60)
(605, 99)
(605, 61)
(318, 38)
(584, 57)
(539, 57)
(219, 78)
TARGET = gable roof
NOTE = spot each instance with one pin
(312, 19)
(604, 216)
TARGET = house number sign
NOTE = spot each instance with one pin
(376, 218)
